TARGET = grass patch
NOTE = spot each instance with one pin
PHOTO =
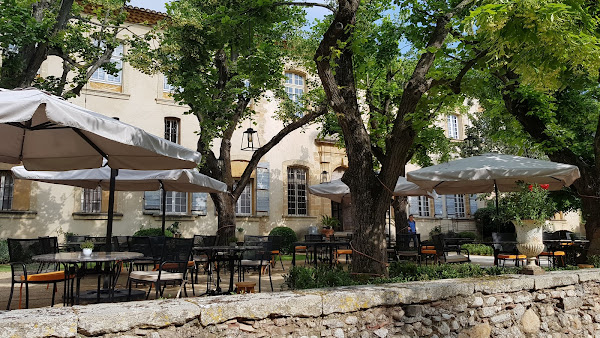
(479, 249)
(4, 267)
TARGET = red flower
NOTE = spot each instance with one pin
(543, 186)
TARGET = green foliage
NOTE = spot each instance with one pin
(594, 260)
(288, 237)
(301, 277)
(405, 272)
(87, 245)
(435, 231)
(330, 223)
(152, 232)
(531, 202)
(488, 221)
(174, 228)
(4, 257)
(479, 249)
(467, 234)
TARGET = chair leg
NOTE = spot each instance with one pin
(281, 261)
(270, 279)
(27, 295)
(12, 287)
(53, 294)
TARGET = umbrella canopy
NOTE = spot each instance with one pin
(486, 172)
(180, 180)
(45, 132)
(338, 191)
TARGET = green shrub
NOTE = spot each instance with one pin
(479, 249)
(288, 237)
(3, 251)
(301, 277)
(467, 234)
(406, 272)
(594, 260)
(152, 232)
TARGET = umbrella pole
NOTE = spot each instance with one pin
(164, 208)
(497, 211)
(111, 208)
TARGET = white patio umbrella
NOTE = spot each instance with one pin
(338, 191)
(492, 172)
(179, 180)
(45, 132)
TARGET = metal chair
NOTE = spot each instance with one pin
(442, 250)
(408, 246)
(259, 259)
(506, 249)
(25, 271)
(553, 251)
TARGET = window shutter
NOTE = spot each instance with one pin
(152, 200)
(413, 205)
(473, 204)
(439, 206)
(199, 203)
(263, 178)
(451, 206)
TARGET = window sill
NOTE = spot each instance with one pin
(106, 93)
(299, 217)
(96, 216)
(247, 218)
(18, 214)
(171, 217)
(169, 102)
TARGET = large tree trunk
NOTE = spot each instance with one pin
(225, 206)
(400, 215)
(590, 210)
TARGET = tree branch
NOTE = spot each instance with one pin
(305, 4)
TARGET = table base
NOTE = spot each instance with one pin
(119, 295)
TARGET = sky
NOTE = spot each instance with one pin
(159, 6)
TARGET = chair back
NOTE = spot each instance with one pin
(49, 244)
(262, 254)
(121, 243)
(75, 238)
(205, 240)
(176, 253)
(255, 238)
(99, 242)
(439, 244)
(408, 242)
(313, 238)
(502, 242)
(140, 244)
(276, 242)
(158, 244)
(22, 250)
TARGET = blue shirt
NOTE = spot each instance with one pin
(412, 227)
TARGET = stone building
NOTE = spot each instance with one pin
(276, 196)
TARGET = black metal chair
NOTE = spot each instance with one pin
(120, 243)
(553, 251)
(258, 259)
(506, 249)
(442, 251)
(310, 249)
(203, 259)
(25, 271)
(172, 268)
(408, 246)
(142, 245)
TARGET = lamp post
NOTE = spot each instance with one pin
(324, 176)
(471, 145)
(249, 138)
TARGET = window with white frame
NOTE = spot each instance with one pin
(243, 206)
(7, 185)
(172, 129)
(176, 202)
(297, 203)
(167, 87)
(453, 127)
(199, 203)
(100, 75)
(91, 200)
(455, 206)
(424, 206)
(294, 86)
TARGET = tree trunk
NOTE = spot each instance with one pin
(225, 206)
(590, 211)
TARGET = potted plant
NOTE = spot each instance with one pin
(87, 247)
(329, 225)
(529, 208)
(174, 228)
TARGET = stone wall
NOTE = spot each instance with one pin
(564, 303)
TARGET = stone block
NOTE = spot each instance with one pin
(555, 279)
(255, 306)
(414, 310)
(431, 291)
(499, 318)
(478, 331)
(44, 322)
(110, 318)
(350, 299)
(505, 283)
(569, 303)
(589, 275)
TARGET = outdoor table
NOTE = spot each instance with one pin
(232, 252)
(73, 259)
(329, 245)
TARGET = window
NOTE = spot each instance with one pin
(199, 203)
(7, 185)
(455, 206)
(453, 127)
(91, 200)
(243, 206)
(176, 202)
(172, 129)
(100, 75)
(294, 87)
(423, 206)
(167, 87)
(297, 191)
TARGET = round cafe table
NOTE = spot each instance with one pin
(76, 261)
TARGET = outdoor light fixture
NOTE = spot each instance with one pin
(471, 145)
(250, 139)
(324, 176)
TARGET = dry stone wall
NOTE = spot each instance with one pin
(558, 304)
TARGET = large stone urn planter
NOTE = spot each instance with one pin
(530, 243)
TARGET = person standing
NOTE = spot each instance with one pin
(412, 227)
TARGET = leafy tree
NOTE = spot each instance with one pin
(220, 56)
(83, 40)
(542, 80)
